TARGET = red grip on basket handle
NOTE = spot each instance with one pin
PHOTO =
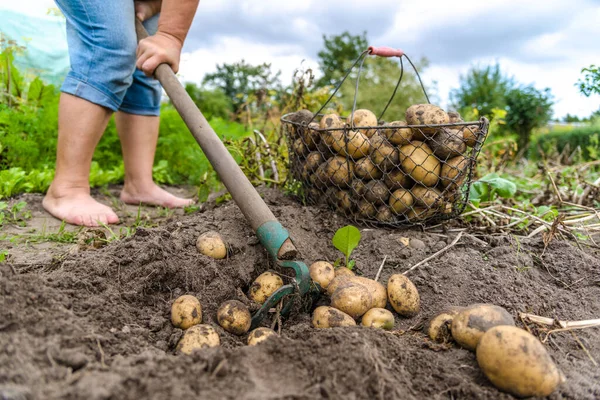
(385, 51)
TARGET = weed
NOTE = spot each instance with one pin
(345, 240)
(3, 255)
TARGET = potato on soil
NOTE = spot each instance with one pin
(425, 114)
(264, 286)
(336, 171)
(322, 273)
(376, 289)
(343, 271)
(448, 143)
(401, 201)
(398, 136)
(211, 244)
(198, 337)
(427, 197)
(378, 318)
(469, 325)
(354, 300)
(439, 327)
(384, 214)
(353, 144)
(329, 317)
(383, 153)
(516, 362)
(419, 162)
(234, 317)
(186, 311)
(403, 295)
(259, 335)
(366, 209)
(364, 118)
(366, 169)
(397, 179)
(454, 172)
(471, 134)
(376, 193)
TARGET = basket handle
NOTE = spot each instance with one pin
(385, 51)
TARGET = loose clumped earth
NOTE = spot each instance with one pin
(96, 323)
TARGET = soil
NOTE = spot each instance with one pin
(95, 323)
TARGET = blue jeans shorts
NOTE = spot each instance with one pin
(102, 45)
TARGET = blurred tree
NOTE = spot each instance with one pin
(590, 83)
(483, 88)
(571, 118)
(338, 54)
(212, 103)
(528, 109)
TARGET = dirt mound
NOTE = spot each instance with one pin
(95, 325)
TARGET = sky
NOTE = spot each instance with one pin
(539, 42)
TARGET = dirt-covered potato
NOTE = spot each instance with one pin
(384, 214)
(364, 118)
(516, 362)
(403, 295)
(329, 317)
(198, 337)
(418, 214)
(301, 117)
(299, 147)
(357, 188)
(454, 171)
(376, 289)
(419, 162)
(470, 135)
(454, 117)
(401, 201)
(211, 244)
(310, 135)
(378, 318)
(354, 300)
(234, 317)
(469, 325)
(398, 136)
(397, 179)
(331, 121)
(343, 271)
(366, 169)
(186, 311)
(384, 154)
(264, 286)
(336, 171)
(439, 327)
(366, 209)
(259, 335)
(448, 143)
(313, 160)
(425, 114)
(322, 273)
(427, 197)
(353, 143)
(376, 192)
(344, 200)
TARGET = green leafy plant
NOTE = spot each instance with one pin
(3, 255)
(486, 189)
(345, 240)
(16, 214)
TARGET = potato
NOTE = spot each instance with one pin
(331, 121)
(378, 318)
(344, 200)
(383, 153)
(363, 118)
(357, 188)
(418, 214)
(322, 273)
(376, 193)
(376, 289)
(454, 117)
(354, 300)
(401, 201)
(186, 311)
(352, 143)
(259, 335)
(198, 337)
(234, 317)
(448, 143)
(336, 171)
(439, 328)
(403, 295)
(299, 148)
(313, 160)
(420, 164)
(425, 114)
(343, 271)
(310, 135)
(469, 325)
(329, 317)
(454, 171)
(384, 214)
(427, 197)
(211, 244)
(341, 279)
(366, 169)
(366, 209)
(399, 136)
(301, 117)
(471, 135)
(397, 179)
(516, 362)
(264, 286)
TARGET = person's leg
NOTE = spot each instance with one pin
(137, 124)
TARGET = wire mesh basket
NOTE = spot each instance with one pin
(404, 172)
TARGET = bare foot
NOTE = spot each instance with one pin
(77, 207)
(153, 195)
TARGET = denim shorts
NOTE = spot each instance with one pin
(102, 45)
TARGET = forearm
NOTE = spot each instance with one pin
(176, 17)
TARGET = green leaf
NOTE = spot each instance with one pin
(491, 184)
(346, 239)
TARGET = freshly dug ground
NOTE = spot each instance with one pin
(95, 324)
